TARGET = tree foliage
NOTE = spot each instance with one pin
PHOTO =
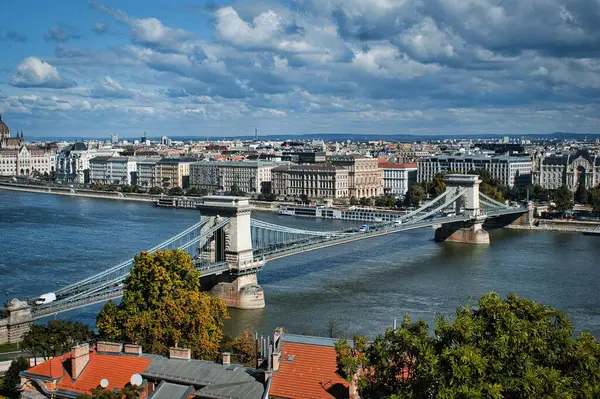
(55, 338)
(497, 348)
(563, 199)
(156, 190)
(235, 191)
(415, 195)
(196, 192)
(594, 198)
(128, 392)
(162, 306)
(8, 386)
(581, 194)
(176, 191)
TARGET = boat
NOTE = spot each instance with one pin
(592, 232)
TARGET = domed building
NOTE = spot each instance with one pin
(18, 159)
(4, 130)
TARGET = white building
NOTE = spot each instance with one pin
(113, 170)
(72, 163)
(314, 181)
(397, 177)
(506, 169)
(147, 172)
(249, 177)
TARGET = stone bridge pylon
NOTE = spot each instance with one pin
(471, 231)
(232, 244)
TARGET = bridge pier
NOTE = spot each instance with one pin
(238, 287)
(15, 322)
(462, 232)
(470, 232)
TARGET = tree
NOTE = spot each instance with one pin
(415, 195)
(235, 191)
(594, 199)
(156, 190)
(333, 329)
(197, 192)
(178, 191)
(563, 199)
(8, 387)
(437, 185)
(354, 201)
(243, 348)
(496, 348)
(128, 392)
(581, 195)
(365, 201)
(55, 338)
(162, 306)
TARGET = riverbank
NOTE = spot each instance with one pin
(78, 192)
(559, 225)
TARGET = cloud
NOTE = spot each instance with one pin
(13, 36)
(60, 34)
(33, 72)
(110, 88)
(100, 28)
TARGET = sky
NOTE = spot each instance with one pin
(78, 68)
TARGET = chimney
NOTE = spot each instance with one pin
(226, 358)
(80, 357)
(132, 349)
(109, 348)
(276, 359)
(180, 353)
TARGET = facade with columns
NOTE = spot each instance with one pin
(553, 171)
(18, 159)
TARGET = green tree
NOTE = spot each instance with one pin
(497, 348)
(581, 195)
(235, 191)
(197, 192)
(55, 338)
(162, 306)
(436, 186)
(178, 191)
(128, 392)
(243, 348)
(563, 199)
(8, 386)
(594, 198)
(365, 201)
(156, 190)
(415, 195)
(354, 201)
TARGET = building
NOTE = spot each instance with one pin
(305, 367)
(249, 177)
(314, 181)
(365, 179)
(302, 157)
(553, 171)
(397, 177)
(174, 172)
(175, 377)
(18, 159)
(113, 170)
(114, 139)
(507, 170)
(73, 161)
(164, 140)
(147, 172)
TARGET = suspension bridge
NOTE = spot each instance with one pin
(229, 247)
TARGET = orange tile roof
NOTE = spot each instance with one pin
(116, 369)
(312, 373)
(397, 165)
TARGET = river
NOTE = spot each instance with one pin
(362, 286)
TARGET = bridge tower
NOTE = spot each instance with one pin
(231, 244)
(471, 231)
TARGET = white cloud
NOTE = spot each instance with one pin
(33, 72)
(261, 32)
(110, 88)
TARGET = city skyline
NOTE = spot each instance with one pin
(77, 69)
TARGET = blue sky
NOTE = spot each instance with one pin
(218, 68)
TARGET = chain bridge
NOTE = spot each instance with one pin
(229, 247)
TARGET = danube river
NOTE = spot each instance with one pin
(47, 240)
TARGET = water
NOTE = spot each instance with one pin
(361, 286)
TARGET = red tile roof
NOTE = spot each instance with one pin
(384, 165)
(312, 373)
(116, 369)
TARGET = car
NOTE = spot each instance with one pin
(364, 228)
(398, 222)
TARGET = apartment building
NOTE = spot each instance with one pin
(314, 181)
(365, 179)
(249, 177)
(147, 172)
(506, 169)
(113, 170)
(397, 178)
(73, 161)
(174, 172)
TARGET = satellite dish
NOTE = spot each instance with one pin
(104, 383)
(136, 380)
